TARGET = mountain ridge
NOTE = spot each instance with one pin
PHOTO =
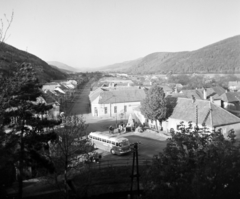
(219, 57)
(63, 66)
(11, 58)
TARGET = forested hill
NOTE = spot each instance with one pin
(11, 58)
(220, 57)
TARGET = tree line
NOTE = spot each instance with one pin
(32, 145)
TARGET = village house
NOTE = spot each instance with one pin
(115, 102)
(54, 112)
(201, 113)
(212, 94)
(50, 86)
(234, 86)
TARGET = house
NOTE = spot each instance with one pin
(234, 85)
(50, 86)
(212, 94)
(115, 102)
(201, 113)
(231, 102)
(54, 112)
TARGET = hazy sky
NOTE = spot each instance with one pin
(91, 33)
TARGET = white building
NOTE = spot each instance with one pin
(114, 103)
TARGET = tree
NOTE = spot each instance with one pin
(154, 105)
(71, 148)
(28, 131)
(196, 164)
(3, 31)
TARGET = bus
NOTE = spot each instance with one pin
(107, 142)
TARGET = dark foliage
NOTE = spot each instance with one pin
(29, 131)
(195, 164)
(11, 58)
(154, 105)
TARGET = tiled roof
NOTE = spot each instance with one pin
(189, 93)
(121, 96)
(208, 113)
(52, 83)
(94, 94)
(214, 92)
(48, 98)
(234, 83)
(231, 97)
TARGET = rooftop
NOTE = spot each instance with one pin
(208, 113)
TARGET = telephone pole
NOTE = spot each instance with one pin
(135, 174)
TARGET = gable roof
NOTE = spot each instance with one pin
(208, 113)
(48, 98)
(189, 93)
(233, 83)
(94, 94)
(121, 96)
(214, 92)
(231, 97)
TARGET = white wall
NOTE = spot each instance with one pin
(172, 123)
(110, 108)
(227, 128)
(49, 87)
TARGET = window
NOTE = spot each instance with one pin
(105, 110)
(115, 109)
(113, 143)
(108, 141)
(103, 140)
(125, 108)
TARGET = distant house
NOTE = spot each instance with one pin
(49, 100)
(50, 86)
(212, 94)
(231, 102)
(114, 103)
(201, 113)
(234, 85)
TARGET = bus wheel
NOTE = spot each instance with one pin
(113, 152)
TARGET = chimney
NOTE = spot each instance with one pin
(175, 90)
(193, 99)
(211, 99)
(204, 94)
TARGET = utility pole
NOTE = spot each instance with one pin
(135, 174)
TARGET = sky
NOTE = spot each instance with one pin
(94, 33)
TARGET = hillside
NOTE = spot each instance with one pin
(220, 57)
(120, 67)
(11, 58)
(63, 66)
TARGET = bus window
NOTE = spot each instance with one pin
(113, 143)
(108, 141)
(103, 140)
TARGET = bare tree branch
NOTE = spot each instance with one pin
(3, 33)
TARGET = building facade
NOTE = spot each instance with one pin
(115, 103)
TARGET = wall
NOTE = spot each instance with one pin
(110, 109)
(49, 87)
(227, 128)
(173, 123)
